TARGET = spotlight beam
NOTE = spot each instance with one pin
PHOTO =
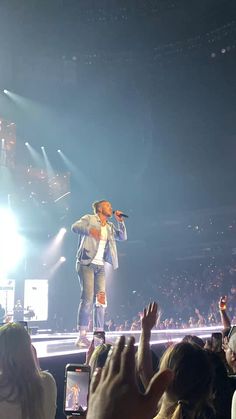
(48, 165)
(56, 266)
(35, 155)
(77, 174)
(54, 247)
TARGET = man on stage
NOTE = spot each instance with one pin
(96, 245)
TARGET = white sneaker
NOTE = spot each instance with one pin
(82, 342)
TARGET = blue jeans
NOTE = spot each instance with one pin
(92, 283)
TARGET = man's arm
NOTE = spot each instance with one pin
(81, 226)
(120, 233)
(225, 320)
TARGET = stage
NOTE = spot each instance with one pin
(61, 344)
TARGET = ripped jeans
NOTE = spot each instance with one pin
(92, 283)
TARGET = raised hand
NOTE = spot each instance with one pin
(118, 216)
(223, 303)
(114, 393)
(149, 318)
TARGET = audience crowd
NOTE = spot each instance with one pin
(188, 294)
(192, 380)
(196, 319)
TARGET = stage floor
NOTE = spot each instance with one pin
(60, 344)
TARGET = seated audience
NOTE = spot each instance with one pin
(25, 391)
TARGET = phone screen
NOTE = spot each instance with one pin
(76, 390)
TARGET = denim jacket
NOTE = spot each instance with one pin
(88, 246)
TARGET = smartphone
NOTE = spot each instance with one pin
(232, 331)
(99, 338)
(76, 388)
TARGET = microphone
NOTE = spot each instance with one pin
(121, 215)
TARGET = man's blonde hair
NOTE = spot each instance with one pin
(96, 205)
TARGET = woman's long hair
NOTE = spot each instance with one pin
(189, 394)
(20, 379)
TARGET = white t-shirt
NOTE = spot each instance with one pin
(98, 259)
(12, 410)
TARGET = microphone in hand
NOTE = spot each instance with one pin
(120, 214)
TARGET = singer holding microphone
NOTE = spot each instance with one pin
(97, 244)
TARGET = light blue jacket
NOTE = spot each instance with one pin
(88, 246)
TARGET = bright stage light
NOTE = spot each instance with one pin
(53, 250)
(42, 147)
(59, 151)
(78, 175)
(11, 243)
(61, 232)
(56, 266)
(59, 237)
(5, 91)
(36, 155)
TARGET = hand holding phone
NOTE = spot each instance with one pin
(77, 378)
